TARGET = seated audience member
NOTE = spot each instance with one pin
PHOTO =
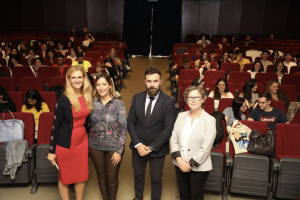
(99, 69)
(82, 63)
(276, 94)
(199, 51)
(69, 43)
(6, 101)
(266, 113)
(51, 56)
(31, 56)
(249, 93)
(61, 48)
(275, 55)
(206, 66)
(223, 43)
(287, 61)
(23, 48)
(14, 62)
(225, 58)
(279, 70)
(264, 59)
(74, 33)
(39, 62)
(203, 41)
(73, 54)
(204, 57)
(60, 64)
(271, 37)
(232, 40)
(212, 54)
(89, 40)
(185, 65)
(38, 45)
(14, 51)
(85, 31)
(231, 53)
(236, 112)
(44, 50)
(7, 50)
(257, 67)
(239, 59)
(108, 62)
(51, 44)
(36, 105)
(220, 92)
(81, 49)
(125, 50)
(248, 40)
(113, 54)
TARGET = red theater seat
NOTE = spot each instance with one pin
(291, 91)
(19, 72)
(8, 83)
(212, 76)
(239, 77)
(17, 98)
(28, 83)
(264, 78)
(230, 66)
(54, 81)
(47, 72)
(49, 98)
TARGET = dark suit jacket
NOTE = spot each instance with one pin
(160, 127)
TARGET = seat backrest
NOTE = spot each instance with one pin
(100, 36)
(179, 64)
(5, 69)
(19, 72)
(92, 70)
(113, 36)
(94, 55)
(291, 79)
(291, 91)
(28, 121)
(8, 83)
(17, 98)
(53, 81)
(23, 61)
(65, 71)
(225, 103)
(91, 60)
(45, 127)
(230, 87)
(120, 51)
(239, 77)
(187, 74)
(264, 78)
(47, 72)
(185, 84)
(195, 46)
(212, 76)
(179, 57)
(247, 67)
(294, 69)
(287, 140)
(225, 66)
(28, 83)
(282, 49)
(211, 46)
(104, 44)
(260, 88)
(191, 38)
(49, 98)
(98, 49)
(249, 58)
(228, 47)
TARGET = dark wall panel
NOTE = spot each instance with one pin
(32, 14)
(252, 19)
(55, 15)
(190, 16)
(230, 16)
(9, 20)
(115, 17)
(76, 14)
(209, 16)
(292, 26)
(276, 14)
(96, 15)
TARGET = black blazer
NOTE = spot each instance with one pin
(160, 127)
(62, 124)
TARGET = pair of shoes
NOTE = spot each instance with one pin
(127, 67)
(117, 94)
(138, 199)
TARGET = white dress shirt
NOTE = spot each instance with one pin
(186, 133)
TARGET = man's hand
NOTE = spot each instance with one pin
(142, 149)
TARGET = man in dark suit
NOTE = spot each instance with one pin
(150, 124)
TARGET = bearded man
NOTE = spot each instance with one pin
(150, 124)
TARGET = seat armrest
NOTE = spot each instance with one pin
(173, 79)
(30, 150)
(229, 160)
(274, 170)
(177, 105)
(274, 164)
(229, 164)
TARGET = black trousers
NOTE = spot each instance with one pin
(139, 164)
(191, 184)
(107, 173)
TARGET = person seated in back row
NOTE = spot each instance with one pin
(223, 43)
(287, 61)
(185, 65)
(60, 64)
(82, 63)
(266, 113)
(239, 59)
(264, 59)
(248, 40)
(257, 67)
(225, 58)
(277, 94)
(203, 41)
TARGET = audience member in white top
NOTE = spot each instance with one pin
(220, 92)
(31, 56)
(249, 93)
(287, 61)
(203, 41)
(206, 66)
(15, 61)
(73, 54)
(204, 56)
(257, 67)
(264, 59)
(38, 63)
(61, 48)
(279, 70)
(275, 55)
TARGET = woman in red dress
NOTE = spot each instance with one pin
(69, 142)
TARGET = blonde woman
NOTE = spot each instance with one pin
(69, 142)
(114, 55)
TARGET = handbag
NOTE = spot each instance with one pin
(262, 144)
(11, 129)
(239, 136)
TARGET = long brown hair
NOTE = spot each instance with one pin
(279, 93)
(112, 49)
(217, 94)
(108, 79)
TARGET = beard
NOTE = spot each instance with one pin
(152, 91)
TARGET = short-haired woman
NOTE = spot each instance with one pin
(69, 141)
(249, 92)
(236, 112)
(257, 67)
(279, 70)
(107, 135)
(6, 102)
(191, 142)
(221, 91)
(277, 94)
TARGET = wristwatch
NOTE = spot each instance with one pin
(151, 148)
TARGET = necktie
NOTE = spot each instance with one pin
(148, 111)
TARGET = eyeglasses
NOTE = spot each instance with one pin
(262, 102)
(193, 98)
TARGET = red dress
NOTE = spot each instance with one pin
(73, 162)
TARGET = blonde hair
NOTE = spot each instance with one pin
(112, 49)
(110, 82)
(86, 90)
